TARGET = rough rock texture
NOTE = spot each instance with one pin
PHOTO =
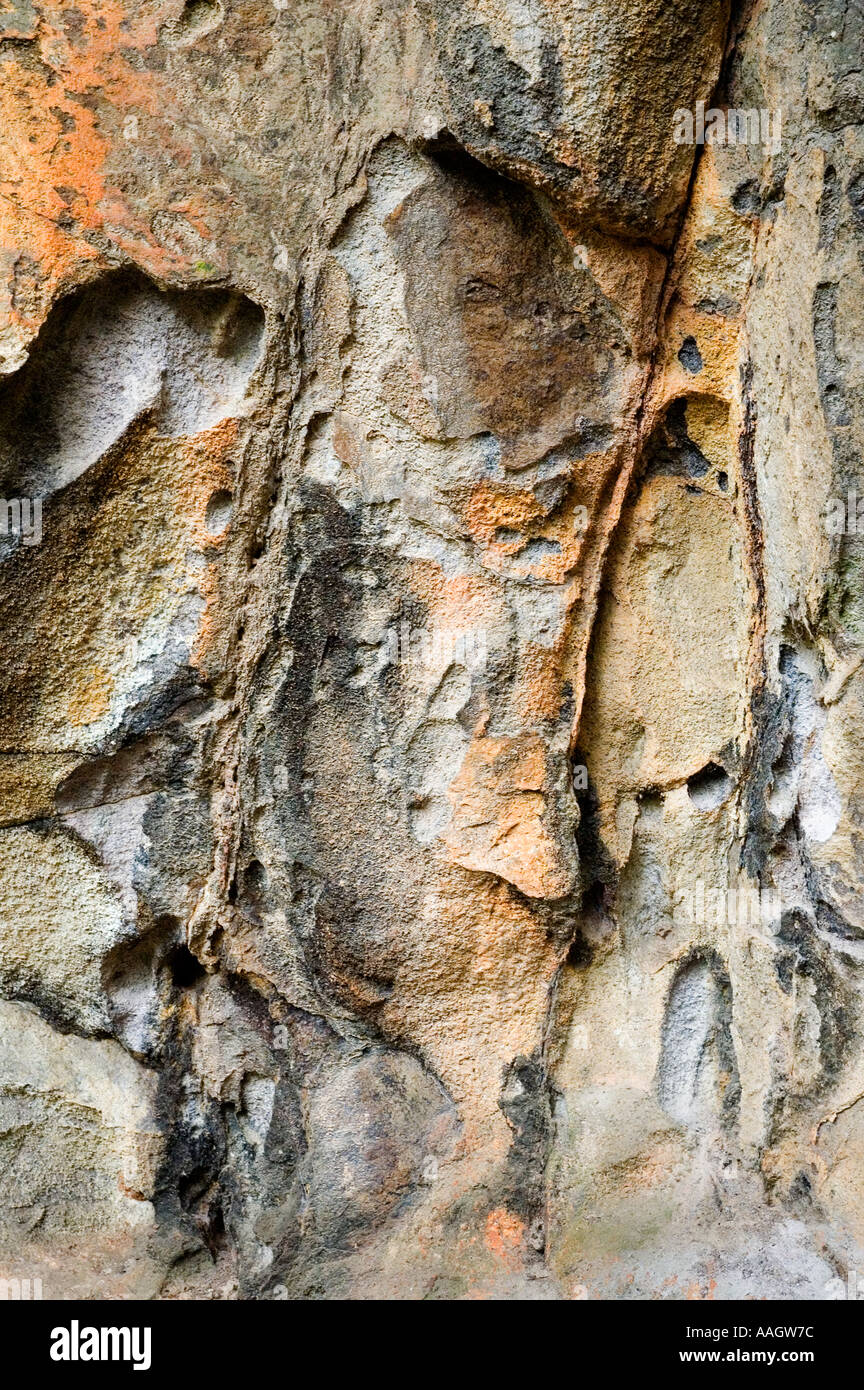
(435, 641)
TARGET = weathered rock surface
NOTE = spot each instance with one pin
(432, 718)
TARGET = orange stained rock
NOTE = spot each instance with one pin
(89, 697)
(184, 475)
(494, 505)
(630, 276)
(696, 272)
(348, 439)
(719, 342)
(499, 820)
(503, 1236)
(540, 693)
(54, 258)
(209, 471)
(471, 994)
(55, 147)
(456, 602)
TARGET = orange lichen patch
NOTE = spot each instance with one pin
(55, 147)
(504, 521)
(503, 1236)
(48, 165)
(499, 820)
(38, 260)
(494, 506)
(89, 697)
(93, 52)
(699, 1293)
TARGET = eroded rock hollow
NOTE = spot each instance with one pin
(432, 701)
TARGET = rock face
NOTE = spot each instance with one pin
(432, 719)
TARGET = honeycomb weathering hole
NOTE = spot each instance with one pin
(112, 353)
(219, 512)
(709, 787)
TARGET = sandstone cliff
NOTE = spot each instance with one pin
(432, 716)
